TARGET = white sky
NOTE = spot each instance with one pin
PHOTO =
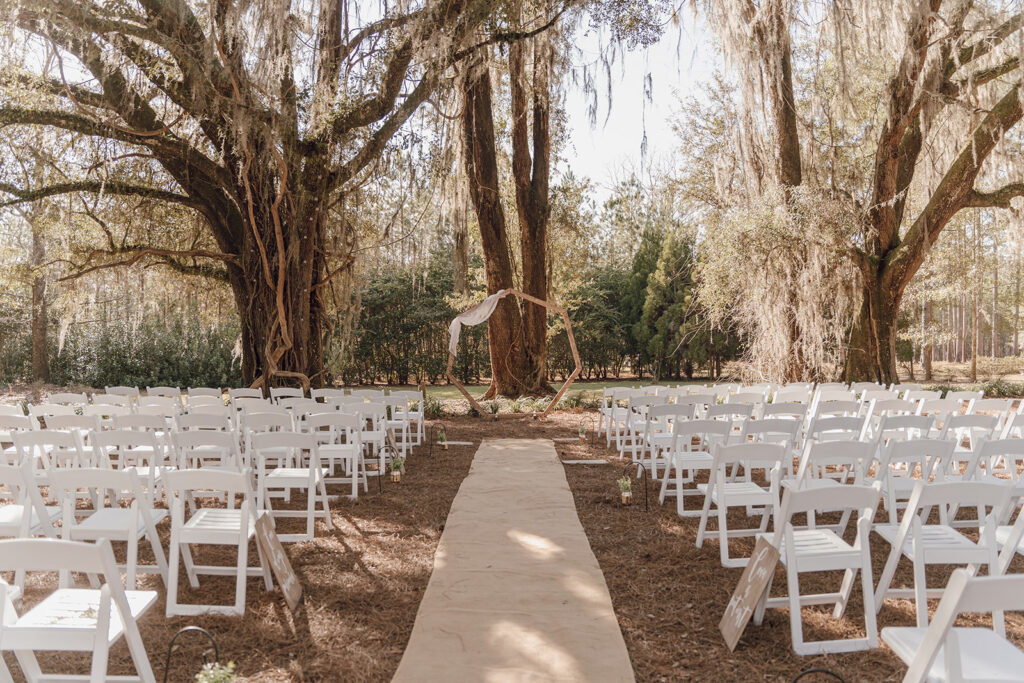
(678, 63)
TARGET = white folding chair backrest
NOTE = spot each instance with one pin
(196, 448)
(861, 387)
(277, 393)
(1000, 456)
(112, 400)
(142, 423)
(122, 448)
(831, 429)
(164, 392)
(160, 405)
(787, 395)
(922, 395)
(40, 411)
(917, 458)
(891, 406)
(206, 404)
(105, 411)
(207, 392)
(902, 389)
(837, 409)
(903, 427)
(701, 402)
(333, 427)
(50, 448)
(245, 392)
(372, 394)
(729, 411)
(325, 394)
(9, 424)
(975, 429)
(1013, 428)
(204, 420)
(785, 410)
(964, 398)
(748, 397)
(844, 461)
(706, 433)
(253, 404)
(826, 395)
(128, 392)
(68, 398)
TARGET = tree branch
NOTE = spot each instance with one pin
(112, 187)
(169, 257)
(511, 36)
(985, 45)
(998, 198)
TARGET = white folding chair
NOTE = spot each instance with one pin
(413, 412)
(339, 438)
(903, 463)
(941, 543)
(72, 619)
(230, 526)
(658, 438)
(942, 652)
(279, 460)
(822, 549)
(210, 392)
(9, 426)
(108, 519)
(137, 451)
(724, 493)
(688, 453)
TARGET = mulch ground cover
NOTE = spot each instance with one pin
(364, 580)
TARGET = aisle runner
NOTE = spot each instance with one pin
(516, 593)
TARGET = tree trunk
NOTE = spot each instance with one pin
(40, 353)
(460, 222)
(504, 326)
(1016, 305)
(975, 334)
(872, 352)
(995, 295)
(928, 351)
(531, 182)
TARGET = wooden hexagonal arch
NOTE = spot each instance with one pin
(572, 345)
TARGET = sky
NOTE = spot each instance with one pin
(607, 151)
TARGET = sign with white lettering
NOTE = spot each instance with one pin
(754, 582)
(273, 552)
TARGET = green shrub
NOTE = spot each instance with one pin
(1000, 389)
(433, 409)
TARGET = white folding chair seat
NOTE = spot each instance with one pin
(112, 522)
(72, 619)
(723, 492)
(230, 526)
(925, 544)
(820, 550)
(942, 652)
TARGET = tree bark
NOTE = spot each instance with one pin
(928, 351)
(504, 325)
(531, 175)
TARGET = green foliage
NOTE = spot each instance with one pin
(625, 483)
(433, 408)
(572, 400)
(397, 464)
(1001, 389)
(217, 673)
(150, 353)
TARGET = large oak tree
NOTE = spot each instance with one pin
(258, 115)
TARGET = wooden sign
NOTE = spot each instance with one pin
(389, 434)
(754, 582)
(273, 552)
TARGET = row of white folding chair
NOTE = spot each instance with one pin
(820, 549)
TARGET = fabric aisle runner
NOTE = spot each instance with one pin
(516, 593)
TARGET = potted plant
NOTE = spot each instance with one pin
(583, 433)
(494, 408)
(626, 489)
(442, 439)
(215, 672)
(397, 467)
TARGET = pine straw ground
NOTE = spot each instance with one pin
(363, 583)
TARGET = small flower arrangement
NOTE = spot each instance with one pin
(626, 490)
(442, 439)
(397, 467)
(583, 433)
(216, 672)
